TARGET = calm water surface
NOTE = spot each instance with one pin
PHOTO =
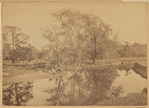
(130, 83)
(40, 91)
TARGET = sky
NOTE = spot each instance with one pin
(126, 19)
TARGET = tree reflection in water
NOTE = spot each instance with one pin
(85, 87)
(18, 94)
(82, 87)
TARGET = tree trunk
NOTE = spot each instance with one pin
(14, 90)
(95, 82)
(73, 98)
(94, 52)
(17, 100)
(57, 59)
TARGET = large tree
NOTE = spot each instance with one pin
(73, 25)
(86, 33)
(98, 33)
(55, 45)
(17, 42)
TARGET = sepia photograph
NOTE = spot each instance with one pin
(74, 54)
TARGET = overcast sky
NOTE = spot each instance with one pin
(128, 19)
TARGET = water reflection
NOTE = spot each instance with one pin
(83, 88)
(17, 94)
(27, 93)
(130, 82)
(39, 89)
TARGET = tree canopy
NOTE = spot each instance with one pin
(16, 44)
(85, 35)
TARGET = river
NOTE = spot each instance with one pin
(43, 92)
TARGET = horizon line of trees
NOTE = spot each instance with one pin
(85, 36)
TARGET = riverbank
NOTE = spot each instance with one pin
(14, 74)
(141, 70)
(133, 99)
(84, 80)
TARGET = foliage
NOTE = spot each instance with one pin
(134, 50)
(18, 94)
(16, 44)
(84, 87)
(85, 35)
